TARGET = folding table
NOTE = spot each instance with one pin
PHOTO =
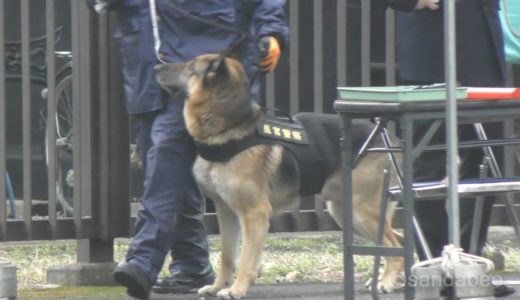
(407, 113)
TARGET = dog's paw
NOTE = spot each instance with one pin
(230, 294)
(368, 284)
(209, 290)
(381, 288)
(386, 285)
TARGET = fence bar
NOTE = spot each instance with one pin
(26, 115)
(51, 112)
(270, 87)
(83, 92)
(318, 55)
(390, 47)
(341, 56)
(3, 213)
(103, 117)
(74, 11)
(115, 151)
(294, 56)
(365, 43)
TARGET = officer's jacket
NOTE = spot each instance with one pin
(479, 50)
(183, 36)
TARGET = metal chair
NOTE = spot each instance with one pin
(427, 191)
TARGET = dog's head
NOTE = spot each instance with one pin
(216, 90)
(205, 78)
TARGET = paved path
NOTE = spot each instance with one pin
(320, 291)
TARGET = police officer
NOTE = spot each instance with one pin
(480, 62)
(170, 218)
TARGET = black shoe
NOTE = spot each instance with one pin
(180, 283)
(503, 290)
(130, 276)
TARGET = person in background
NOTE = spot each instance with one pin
(170, 218)
(480, 62)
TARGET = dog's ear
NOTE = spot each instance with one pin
(234, 54)
(216, 68)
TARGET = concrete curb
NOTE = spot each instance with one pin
(82, 274)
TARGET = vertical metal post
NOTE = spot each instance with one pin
(51, 112)
(348, 233)
(390, 47)
(76, 115)
(26, 116)
(408, 205)
(113, 137)
(3, 213)
(318, 55)
(84, 95)
(366, 69)
(450, 69)
(294, 56)
(270, 90)
(341, 56)
(102, 138)
(96, 99)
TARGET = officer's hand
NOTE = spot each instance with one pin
(431, 4)
(268, 52)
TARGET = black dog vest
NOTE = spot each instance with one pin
(299, 140)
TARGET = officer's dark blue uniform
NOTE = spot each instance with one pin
(480, 62)
(170, 216)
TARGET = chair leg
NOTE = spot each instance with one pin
(477, 215)
(495, 172)
(423, 243)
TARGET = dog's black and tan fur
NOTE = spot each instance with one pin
(263, 179)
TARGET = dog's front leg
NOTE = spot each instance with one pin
(255, 225)
(229, 231)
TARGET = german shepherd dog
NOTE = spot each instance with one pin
(264, 179)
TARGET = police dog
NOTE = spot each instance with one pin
(266, 178)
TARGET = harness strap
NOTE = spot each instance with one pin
(224, 152)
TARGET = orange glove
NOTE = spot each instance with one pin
(269, 53)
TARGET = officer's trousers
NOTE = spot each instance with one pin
(170, 217)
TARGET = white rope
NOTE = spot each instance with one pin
(453, 257)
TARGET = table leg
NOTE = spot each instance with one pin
(408, 205)
(348, 234)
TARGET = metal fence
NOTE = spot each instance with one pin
(63, 130)
(65, 142)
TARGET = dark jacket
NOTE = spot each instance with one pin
(480, 54)
(184, 37)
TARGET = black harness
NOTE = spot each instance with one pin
(276, 131)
